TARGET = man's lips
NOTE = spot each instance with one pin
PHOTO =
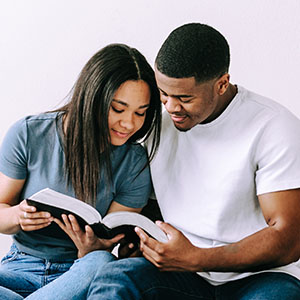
(178, 118)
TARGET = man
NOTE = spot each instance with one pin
(227, 179)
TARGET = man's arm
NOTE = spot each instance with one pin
(276, 245)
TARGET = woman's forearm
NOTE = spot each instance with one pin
(8, 220)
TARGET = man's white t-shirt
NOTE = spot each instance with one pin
(207, 179)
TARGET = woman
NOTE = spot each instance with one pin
(88, 149)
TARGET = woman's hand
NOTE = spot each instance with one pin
(29, 219)
(85, 241)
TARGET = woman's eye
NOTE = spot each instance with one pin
(116, 110)
(140, 114)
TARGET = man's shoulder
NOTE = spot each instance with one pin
(262, 103)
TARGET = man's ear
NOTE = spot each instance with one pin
(222, 84)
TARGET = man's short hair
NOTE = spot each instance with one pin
(194, 50)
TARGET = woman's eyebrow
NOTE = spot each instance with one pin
(144, 106)
(120, 102)
(126, 104)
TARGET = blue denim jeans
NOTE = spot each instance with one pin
(22, 275)
(99, 275)
(136, 278)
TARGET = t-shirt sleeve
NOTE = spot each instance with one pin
(136, 185)
(278, 155)
(13, 157)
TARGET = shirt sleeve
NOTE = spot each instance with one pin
(13, 157)
(136, 186)
(278, 155)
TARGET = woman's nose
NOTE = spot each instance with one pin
(127, 121)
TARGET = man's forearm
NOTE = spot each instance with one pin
(265, 249)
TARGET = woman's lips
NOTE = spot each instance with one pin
(120, 134)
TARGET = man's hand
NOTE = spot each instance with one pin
(85, 241)
(127, 249)
(175, 255)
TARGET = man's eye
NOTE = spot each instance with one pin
(117, 110)
(185, 100)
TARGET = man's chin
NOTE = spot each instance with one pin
(181, 127)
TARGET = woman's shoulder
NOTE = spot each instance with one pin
(32, 127)
(31, 120)
(41, 117)
(133, 151)
(137, 150)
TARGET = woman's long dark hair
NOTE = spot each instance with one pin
(87, 140)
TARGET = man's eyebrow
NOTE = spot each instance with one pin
(176, 96)
(126, 104)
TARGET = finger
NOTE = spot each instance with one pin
(75, 226)
(141, 234)
(149, 252)
(131, 245)
(167, 228)
(117, 238)
(66, 226)
(36, 215)
(148, 246)
(151, 259)
(25, 207)
(89, 232)
(110, 244)
(26, 227)
(59, 223)
(28, 222)
(67, 222)
(145, 239)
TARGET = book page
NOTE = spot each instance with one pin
(59, 200)
(119, 218)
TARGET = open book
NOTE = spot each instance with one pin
(112, 224)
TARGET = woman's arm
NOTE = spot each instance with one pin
(15, 216)
(115, 206)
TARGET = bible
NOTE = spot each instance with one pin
(107, 227)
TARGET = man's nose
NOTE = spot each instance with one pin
(172, 104)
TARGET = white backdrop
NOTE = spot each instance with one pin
(44, 45)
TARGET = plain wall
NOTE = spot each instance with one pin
(44, 45)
